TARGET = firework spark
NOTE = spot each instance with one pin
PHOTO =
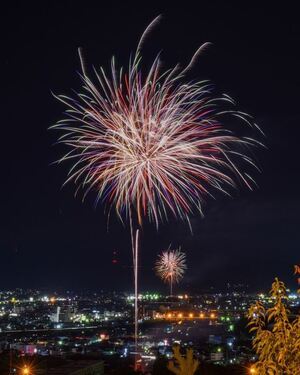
(170, 267)
(151, 144)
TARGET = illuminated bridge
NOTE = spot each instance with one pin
(183, 315)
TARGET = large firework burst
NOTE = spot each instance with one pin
(151, 143)
(170, 266)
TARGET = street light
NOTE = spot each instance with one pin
(26, 370)
(252, 370)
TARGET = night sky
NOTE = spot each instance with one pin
(49, 239)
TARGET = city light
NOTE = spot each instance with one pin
(200, 314)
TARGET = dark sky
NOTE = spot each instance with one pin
(50, 239)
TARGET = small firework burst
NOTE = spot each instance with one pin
(170, 266)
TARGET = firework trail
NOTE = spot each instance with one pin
(151, 145)
(170, 267)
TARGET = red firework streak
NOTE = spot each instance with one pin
(115, 257)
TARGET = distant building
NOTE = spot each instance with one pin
(54, 318)
(62, 315)
(27, 349)
(216, 357)
(214, 339)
